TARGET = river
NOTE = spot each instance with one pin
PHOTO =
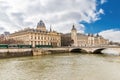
(61, 67)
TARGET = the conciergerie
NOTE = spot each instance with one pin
(38, 37)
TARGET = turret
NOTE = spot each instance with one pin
(74, 35)
(97, 35)
(73, 27)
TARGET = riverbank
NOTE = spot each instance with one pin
(7, 53)
(18, 52)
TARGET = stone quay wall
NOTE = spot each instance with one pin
(44, 51)
(6, 53)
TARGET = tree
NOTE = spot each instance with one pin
(10, 41)
(66, 40)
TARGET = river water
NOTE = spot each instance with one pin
(61, 67)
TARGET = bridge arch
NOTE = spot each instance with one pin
(78, 50)
(98, 51)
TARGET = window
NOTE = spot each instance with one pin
(44, 38)
(41, 38)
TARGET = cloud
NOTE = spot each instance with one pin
(16, 14)
(101, 11)
(112, 34)
(2, 29)
(103, 1)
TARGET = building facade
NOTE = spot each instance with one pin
(87, 40)
(38, 36)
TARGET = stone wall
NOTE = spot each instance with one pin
(6, 53)
(43, 51)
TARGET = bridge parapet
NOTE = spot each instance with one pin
(92, 49)
(69, 49)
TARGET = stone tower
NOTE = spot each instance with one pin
(74, 35)
(41, 26)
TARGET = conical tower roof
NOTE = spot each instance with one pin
(73, 27)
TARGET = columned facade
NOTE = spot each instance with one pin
(38, 36)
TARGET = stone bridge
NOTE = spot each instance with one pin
(95, 49)
(83, 49)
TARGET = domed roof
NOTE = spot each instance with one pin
(40, 24)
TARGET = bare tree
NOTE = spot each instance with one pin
(10, 41)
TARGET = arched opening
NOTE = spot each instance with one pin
(98, 51)
(78, 50)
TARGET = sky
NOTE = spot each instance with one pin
(88, 16)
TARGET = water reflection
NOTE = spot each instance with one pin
(61, 67)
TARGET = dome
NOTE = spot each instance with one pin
(40, 24)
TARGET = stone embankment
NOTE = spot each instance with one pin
(6, 53)
(43, 51)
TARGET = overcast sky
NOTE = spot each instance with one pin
(60, 14)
